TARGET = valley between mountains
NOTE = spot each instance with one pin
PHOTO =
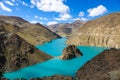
(18, 40)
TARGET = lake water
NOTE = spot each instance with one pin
(54, 48)
(55, 65)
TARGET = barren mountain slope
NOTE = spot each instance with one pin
(104, 31)
(33, 33)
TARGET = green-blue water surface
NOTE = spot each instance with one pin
(55, 65)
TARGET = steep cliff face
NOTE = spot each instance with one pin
(70, 52)
(104, 31)
(16, 53)
(33, 33)
(65, 29)
(106, 66)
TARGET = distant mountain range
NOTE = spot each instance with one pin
(104, 31)
(65, 29)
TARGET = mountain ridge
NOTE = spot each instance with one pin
(33, 33)
(65, 29)
(103, 32)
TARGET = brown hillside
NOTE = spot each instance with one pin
(106, 66)
(16, 53)
(33, 33)
(104, 31)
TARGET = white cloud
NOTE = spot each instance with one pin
(52, 22)
(81, 14)
(82, 19)
(34, 22)
(65, 16)
(17, 2)
(33, 2)
(99, 10)
(9, 3)
(36, 17)
(3, 7)
(53, 6)
(31, 6)
(25, 4)
(42, 18)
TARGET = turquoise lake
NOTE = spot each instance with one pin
(55, 65)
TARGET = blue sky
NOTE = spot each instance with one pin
(58, 11)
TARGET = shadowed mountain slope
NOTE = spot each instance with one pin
(105, 66)
(15, 52)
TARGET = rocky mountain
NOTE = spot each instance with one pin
(15, 52)
(33, 33)
(70, 52)
(65, 29)
(104, 31)
(106, 66)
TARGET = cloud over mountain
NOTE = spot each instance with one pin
(99, 10)
(53, 6)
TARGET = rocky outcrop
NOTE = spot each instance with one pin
(104, 31)
(65, 29)
(16, 53)
(70, 52)
(105, 66)
(33, 33)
